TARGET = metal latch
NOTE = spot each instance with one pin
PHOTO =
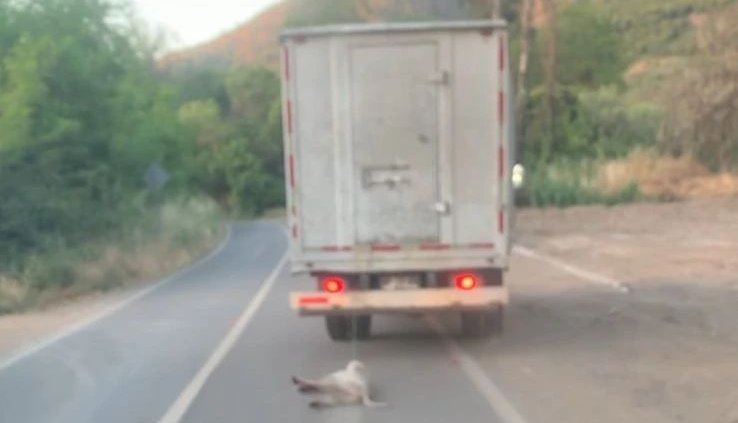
(389, 175)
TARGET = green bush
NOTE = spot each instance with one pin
(571, 182)
(54, 270)
(601, 124)
(153, 241)
(604, 125)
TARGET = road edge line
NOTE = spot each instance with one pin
(474, 372)
(573, 270)
(110, 310)
(182, 404)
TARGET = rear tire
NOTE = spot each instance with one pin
(347, 328)
(482, 324)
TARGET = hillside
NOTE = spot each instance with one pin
(254, 42)
(652, 27)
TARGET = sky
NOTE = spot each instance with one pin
(189, 22)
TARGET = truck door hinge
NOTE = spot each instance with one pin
(440, 78)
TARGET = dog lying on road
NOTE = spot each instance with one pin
(347, 386)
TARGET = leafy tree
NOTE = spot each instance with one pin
(239, 158)
(255, 98)
(81, 116)
(23, 90)
(702, 99)
(590, 48)
(585, 54)
(201, 83)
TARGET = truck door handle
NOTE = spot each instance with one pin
(389, 180)
(390, 175)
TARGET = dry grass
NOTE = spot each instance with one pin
(13, 294)
(117, 267)
(169, 239)
(665, 177)
(274, 214)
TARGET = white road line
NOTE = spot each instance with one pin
(474, 372)
(178, 410)
(71, 330)
(573, 270)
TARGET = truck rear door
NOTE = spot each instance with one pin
(395, 132)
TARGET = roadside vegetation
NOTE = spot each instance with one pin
(631, 100)
(159, 241)
(110, 171)
(113, 169)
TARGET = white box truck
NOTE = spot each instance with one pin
(398, 150)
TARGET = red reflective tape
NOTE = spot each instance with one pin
(501, 106)
(435, 247)
(502, 52)
(385, 247)
(292, 171)
(313, 300)
(501, 221)
(294, 231)
(286, 59)
(482, 245)
(289, 116)
(501, 161)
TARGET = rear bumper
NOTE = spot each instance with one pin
(391, 266)
(406, 260)
(412, 301)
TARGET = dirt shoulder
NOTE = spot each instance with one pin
(19, 331)
(664, 352)
(641, 242)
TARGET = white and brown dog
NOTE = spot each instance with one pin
(347, 386)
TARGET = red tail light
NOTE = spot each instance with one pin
(466, 281)
(333, 285)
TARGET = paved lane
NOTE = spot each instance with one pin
(410, 367)
(132, 365)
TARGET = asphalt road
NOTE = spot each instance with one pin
(138, 363)
(586, 340)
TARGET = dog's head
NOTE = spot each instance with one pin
(356, 366)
